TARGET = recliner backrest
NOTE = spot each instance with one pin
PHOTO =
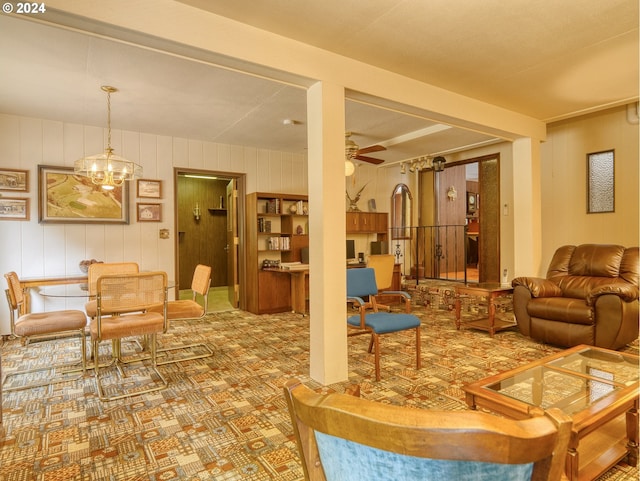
(579, 269)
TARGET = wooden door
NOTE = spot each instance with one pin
(232, 243)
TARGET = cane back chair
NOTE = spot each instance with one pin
(41, 325)
(123, 310)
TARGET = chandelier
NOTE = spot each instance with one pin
(106, 169)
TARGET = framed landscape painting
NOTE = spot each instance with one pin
(13, 180)
(67, 198)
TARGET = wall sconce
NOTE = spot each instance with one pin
(452, 193)
(438, 163)
(196, 212)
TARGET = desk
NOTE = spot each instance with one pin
(27, 283)
(298, 287)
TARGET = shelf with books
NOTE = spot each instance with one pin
(277, 227)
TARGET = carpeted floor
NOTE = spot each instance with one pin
(224, 417)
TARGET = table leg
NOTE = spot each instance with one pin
(632, 435)
(492, 315)
(571, 465)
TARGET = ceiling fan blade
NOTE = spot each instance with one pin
(371, 160)
(373, 148)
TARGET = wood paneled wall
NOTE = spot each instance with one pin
(202, 241)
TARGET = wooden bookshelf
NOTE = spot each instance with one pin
(277, 229)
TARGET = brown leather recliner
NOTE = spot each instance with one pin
(590, 296)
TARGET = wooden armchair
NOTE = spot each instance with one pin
(344, 437)
(361, 285)
(382, 265)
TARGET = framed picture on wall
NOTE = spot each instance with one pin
(14, 180)
(67, 198)
(14, 209)
(601, 182)
(149, 212)
(149, 188)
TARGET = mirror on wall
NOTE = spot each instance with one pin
(401, 212)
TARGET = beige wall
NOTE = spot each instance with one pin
(564, 181)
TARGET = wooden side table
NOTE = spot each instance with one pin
(491, 291)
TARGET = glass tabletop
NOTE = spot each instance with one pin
(572, 382)
(66, 290)
(75, 290)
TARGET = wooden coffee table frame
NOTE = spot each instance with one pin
(491, 292)
(606, 431)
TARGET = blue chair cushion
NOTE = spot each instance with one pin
(383, 322)
(343, 459)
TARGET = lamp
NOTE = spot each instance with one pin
(349, 167)
(350, 151)
(438, 163)
(107, 170)
(196, 212)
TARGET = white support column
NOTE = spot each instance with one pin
(327, 219)
(527, 208)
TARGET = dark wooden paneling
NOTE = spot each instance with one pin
(202, 241)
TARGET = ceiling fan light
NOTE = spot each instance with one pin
(349, 168)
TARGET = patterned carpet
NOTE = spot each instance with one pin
(224, 417)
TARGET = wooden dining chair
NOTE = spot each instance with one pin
(340, 436)
(187, 310)
(361, 292)
(124, 309)
(41, 325)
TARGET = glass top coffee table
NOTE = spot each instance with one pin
(597, 387)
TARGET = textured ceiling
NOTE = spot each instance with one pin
(545, 59)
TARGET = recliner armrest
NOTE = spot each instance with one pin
(538, 287)
(626, 292)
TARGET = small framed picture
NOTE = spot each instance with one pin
(149, 212)
(14, 180)
(14, 209)
(150, 188)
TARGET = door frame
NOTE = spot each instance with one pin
(240, 179)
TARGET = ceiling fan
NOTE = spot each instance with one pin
(353, 151)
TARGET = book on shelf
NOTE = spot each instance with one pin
(294, 266)
(279, 243)
(264, 225)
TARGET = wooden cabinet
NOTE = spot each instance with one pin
(277, 228)
(367, 223)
